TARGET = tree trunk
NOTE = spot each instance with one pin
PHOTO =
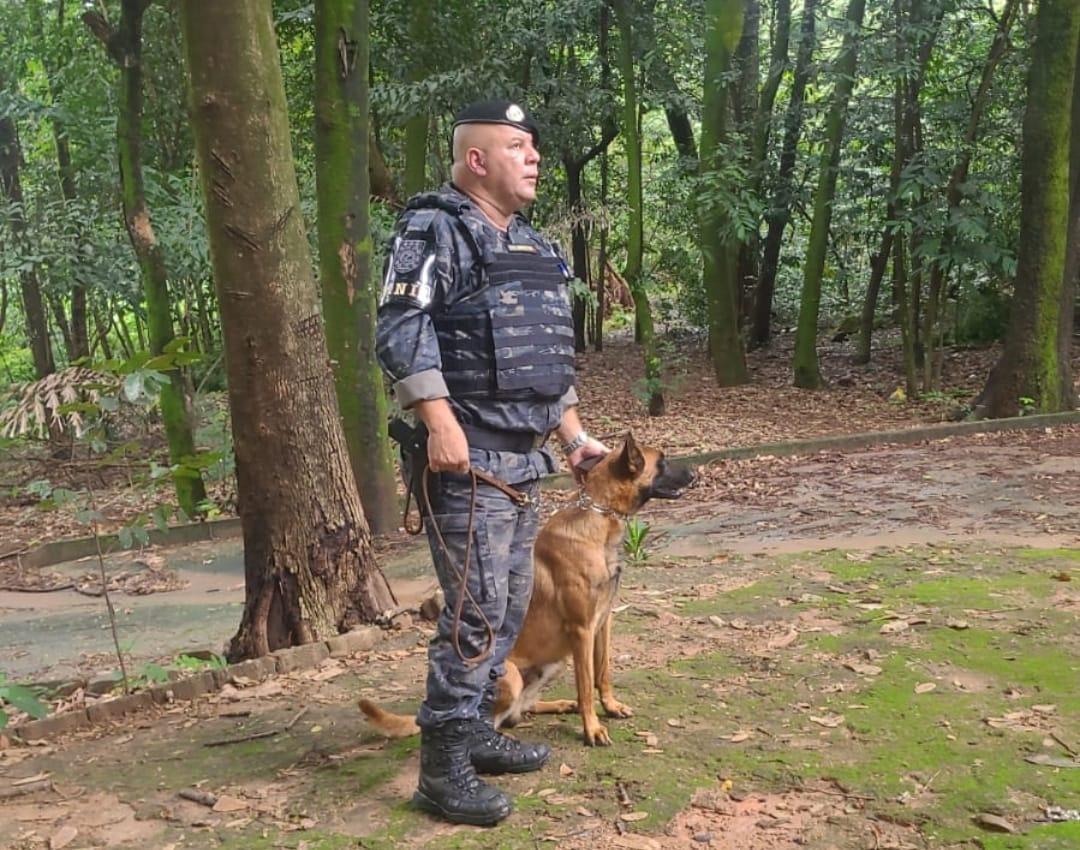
(745, 108)
(905, 107)
(1029, 368)
(954, 196)
(635, 203)
(1072, 257)
(124, 45)
(37, 325)
(309, 568)
(421, 19)
(579, 247)
(602, 259)
(805, 362)
(780, 212)
(53, 54)
(723, 27)
(382, 182)
(342, 115)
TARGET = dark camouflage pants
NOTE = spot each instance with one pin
(500, 580)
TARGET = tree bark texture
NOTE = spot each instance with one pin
(723, 28)
(124, 45)
(310, 571)
(1028, 368)
(779, 213)
(342, 115)
(1072, 257)
(624, 16)
(805, 362)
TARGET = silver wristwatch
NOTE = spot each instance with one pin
(576, 443)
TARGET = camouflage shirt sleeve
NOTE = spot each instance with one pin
(417, 276)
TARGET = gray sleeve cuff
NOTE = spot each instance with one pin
(569, 398)
(423, 386)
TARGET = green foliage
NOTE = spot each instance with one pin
(634, 542)
(19, 697)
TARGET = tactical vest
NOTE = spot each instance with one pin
(513, 338)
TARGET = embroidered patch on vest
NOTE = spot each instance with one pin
(408, 255)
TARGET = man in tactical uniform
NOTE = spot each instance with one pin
(476, 333)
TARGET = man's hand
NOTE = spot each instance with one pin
(592, 448)
(447, 446)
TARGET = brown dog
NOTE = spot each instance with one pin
(577, 573)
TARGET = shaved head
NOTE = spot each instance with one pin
(496, 164)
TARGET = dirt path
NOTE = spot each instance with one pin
(833, 652)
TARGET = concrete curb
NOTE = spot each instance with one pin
(192, 687)
(905, 436)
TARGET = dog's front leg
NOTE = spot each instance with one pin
(602, 662)
(595, 733)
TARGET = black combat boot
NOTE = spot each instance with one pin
(449, 786)
(493, 752)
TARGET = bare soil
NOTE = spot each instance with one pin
(838, 652)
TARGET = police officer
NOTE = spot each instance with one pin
(476, 333)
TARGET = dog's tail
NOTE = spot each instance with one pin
(391, 725)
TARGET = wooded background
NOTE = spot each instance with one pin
(205, 189)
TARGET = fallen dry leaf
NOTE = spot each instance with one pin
(565, 770)
(630, 817)
(925, 687)
(737, 737)
(783, 640)
(635, 842)
(894, 626)
(863, 669)
(675, 722)
(226, 804)
(994, 822)
(62, 837)
(830, 721)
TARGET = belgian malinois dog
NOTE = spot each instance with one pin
(577, 572)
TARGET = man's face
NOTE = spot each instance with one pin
(511, 165)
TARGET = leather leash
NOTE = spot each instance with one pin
(518, 497)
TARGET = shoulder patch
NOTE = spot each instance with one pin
(410, 266)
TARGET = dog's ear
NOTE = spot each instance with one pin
(630, 461)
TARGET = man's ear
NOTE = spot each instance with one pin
(476, 161)
(630, 461)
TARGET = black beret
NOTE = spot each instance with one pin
(499, 112)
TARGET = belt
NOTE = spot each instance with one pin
(520, 442)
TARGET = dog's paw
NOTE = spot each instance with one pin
(614, 708)
(598, 736)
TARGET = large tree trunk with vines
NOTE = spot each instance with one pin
(720, 252)
(342, 116)
(310, 571)
(1029, 368)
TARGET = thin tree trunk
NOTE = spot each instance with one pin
(37, 326)
(780, 212)
(310, 570)
(602, 259)
(1029, 368)
(342, 115)
(635, 202)
(805, 362)
(53, 54)
(124, 45)
(421, 19)
(748, 61)
(723, 27)
(954, 196)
